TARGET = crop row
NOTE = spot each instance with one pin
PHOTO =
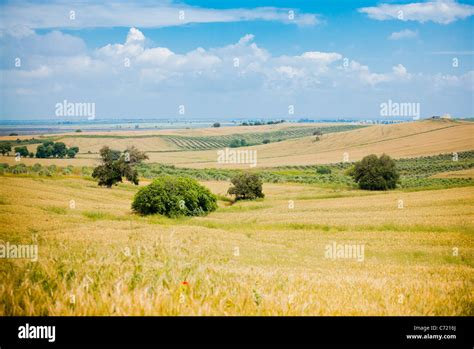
(214, 142)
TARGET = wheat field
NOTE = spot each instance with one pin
(252, 258)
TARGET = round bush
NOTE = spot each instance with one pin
(373, 173)
(246, 186)
(323, 170)
(174, 196)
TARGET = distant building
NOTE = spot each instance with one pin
(445, 116)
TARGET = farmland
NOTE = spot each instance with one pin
(439, 171)
(406, 140)
(163, 142)
(214, 142)
(262, 257)
(112, 262)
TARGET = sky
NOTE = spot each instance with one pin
(227, 60)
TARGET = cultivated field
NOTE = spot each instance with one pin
(401, 140)
(290, 145)
(265, 257)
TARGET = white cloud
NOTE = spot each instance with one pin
(134, 35)
(403, 34)
(24, 43)
(18, 31)
(207, 75)
(289, 72)
(161, 13)
(41, 72)
(364, 74)
(156, 55)
(465, 81)
(439, 11)
(246, 38)
(255, 66)
(400, 71)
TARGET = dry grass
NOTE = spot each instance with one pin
(115, 263)
(468, 173)
(93, 145)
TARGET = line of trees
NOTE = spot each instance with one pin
(56, 150)
(6, 148)
(47, 149)
(260, 123)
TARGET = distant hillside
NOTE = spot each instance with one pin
(430, 137)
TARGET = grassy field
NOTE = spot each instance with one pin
(255, 258)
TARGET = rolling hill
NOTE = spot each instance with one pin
(289, 145)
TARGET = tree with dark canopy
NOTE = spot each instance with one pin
(373, 173)
(115, 165)
(246, 186)
(5, 148)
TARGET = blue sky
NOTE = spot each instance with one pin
(236, 59)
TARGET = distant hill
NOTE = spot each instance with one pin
(429, 137)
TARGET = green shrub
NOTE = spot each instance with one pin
(71, 153)
(52, 168)
(373, 173)
(235, 143)
(174, 196)
(19, 169)
(45, 172)
(323, 170)
(36, 167)
(246, 186)
(86, 171)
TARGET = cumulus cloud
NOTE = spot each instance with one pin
(243, 61)
(439, 11)
(117, 73)
(161, 13)
(403, 34)
(24, 43)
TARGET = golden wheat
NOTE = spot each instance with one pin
(251, 258)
